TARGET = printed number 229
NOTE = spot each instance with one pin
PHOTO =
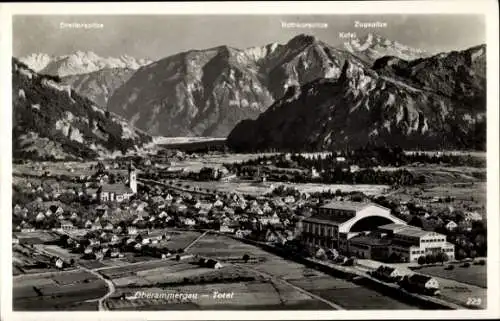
(473, 301)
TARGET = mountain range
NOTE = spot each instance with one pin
(80, 62)
(52, 121)
(207, 92)
(436, 102)
(397, 92)
(373, 46)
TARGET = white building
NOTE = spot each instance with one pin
(338, 221)
(412, 242)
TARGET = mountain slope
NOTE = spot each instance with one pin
(51, 121)
(207, 92)
(79, 63)
(415, 106)
(99, 85)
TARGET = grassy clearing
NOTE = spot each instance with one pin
(475, 274)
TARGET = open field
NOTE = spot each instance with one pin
(341, 292)
(36, 237)
(246, 295)
(457, 286)
(57, 291)
(443, 174)
(475, 274)
(160, 140)
(260, 188)
(449, 152)
(58, 251)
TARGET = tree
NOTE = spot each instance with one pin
(421, 260)
(416, 221)
(246, 257)
(442, 257)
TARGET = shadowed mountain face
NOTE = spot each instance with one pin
(207, 92)
(436, 102)
(52, 121)
(99, 85)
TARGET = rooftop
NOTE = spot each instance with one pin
(116, 188)
(333, 220)
(369, 240)
(393, 227)
(348, 205)
(412, 231)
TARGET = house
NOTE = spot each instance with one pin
(353, 168)
(105, 237)
(94, 241)
(314, 173)
(59, 263)
(114, 253)
(40, 217)
(17, 209)
(96, 227)
(266, 208)
(163, 214)
(242, 233)
(218, 203)
(132, 230)
(48, 213)
(138, 246)
(59, 210)
(289, 199)
(210, 263)
(225, 228)
(115, 239)
(109, 227)
(188, 221)
(274, 237)
(88, 224)
(451, 226)
(473, 216)
(387, 273)
(67, 226)
(421, 283)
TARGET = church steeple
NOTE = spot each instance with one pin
(132, 178)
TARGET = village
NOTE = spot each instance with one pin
(123, 214)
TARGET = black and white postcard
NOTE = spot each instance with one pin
(235, 160)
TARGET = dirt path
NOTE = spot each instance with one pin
(111, 288)
(194, 242)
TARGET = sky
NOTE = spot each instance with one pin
(158, 36)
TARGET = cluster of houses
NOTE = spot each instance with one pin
(415, 282)
(448, 219)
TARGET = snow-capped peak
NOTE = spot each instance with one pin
(374, 46)
(37, 61)
(79, 62)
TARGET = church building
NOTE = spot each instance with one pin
(119, 192)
